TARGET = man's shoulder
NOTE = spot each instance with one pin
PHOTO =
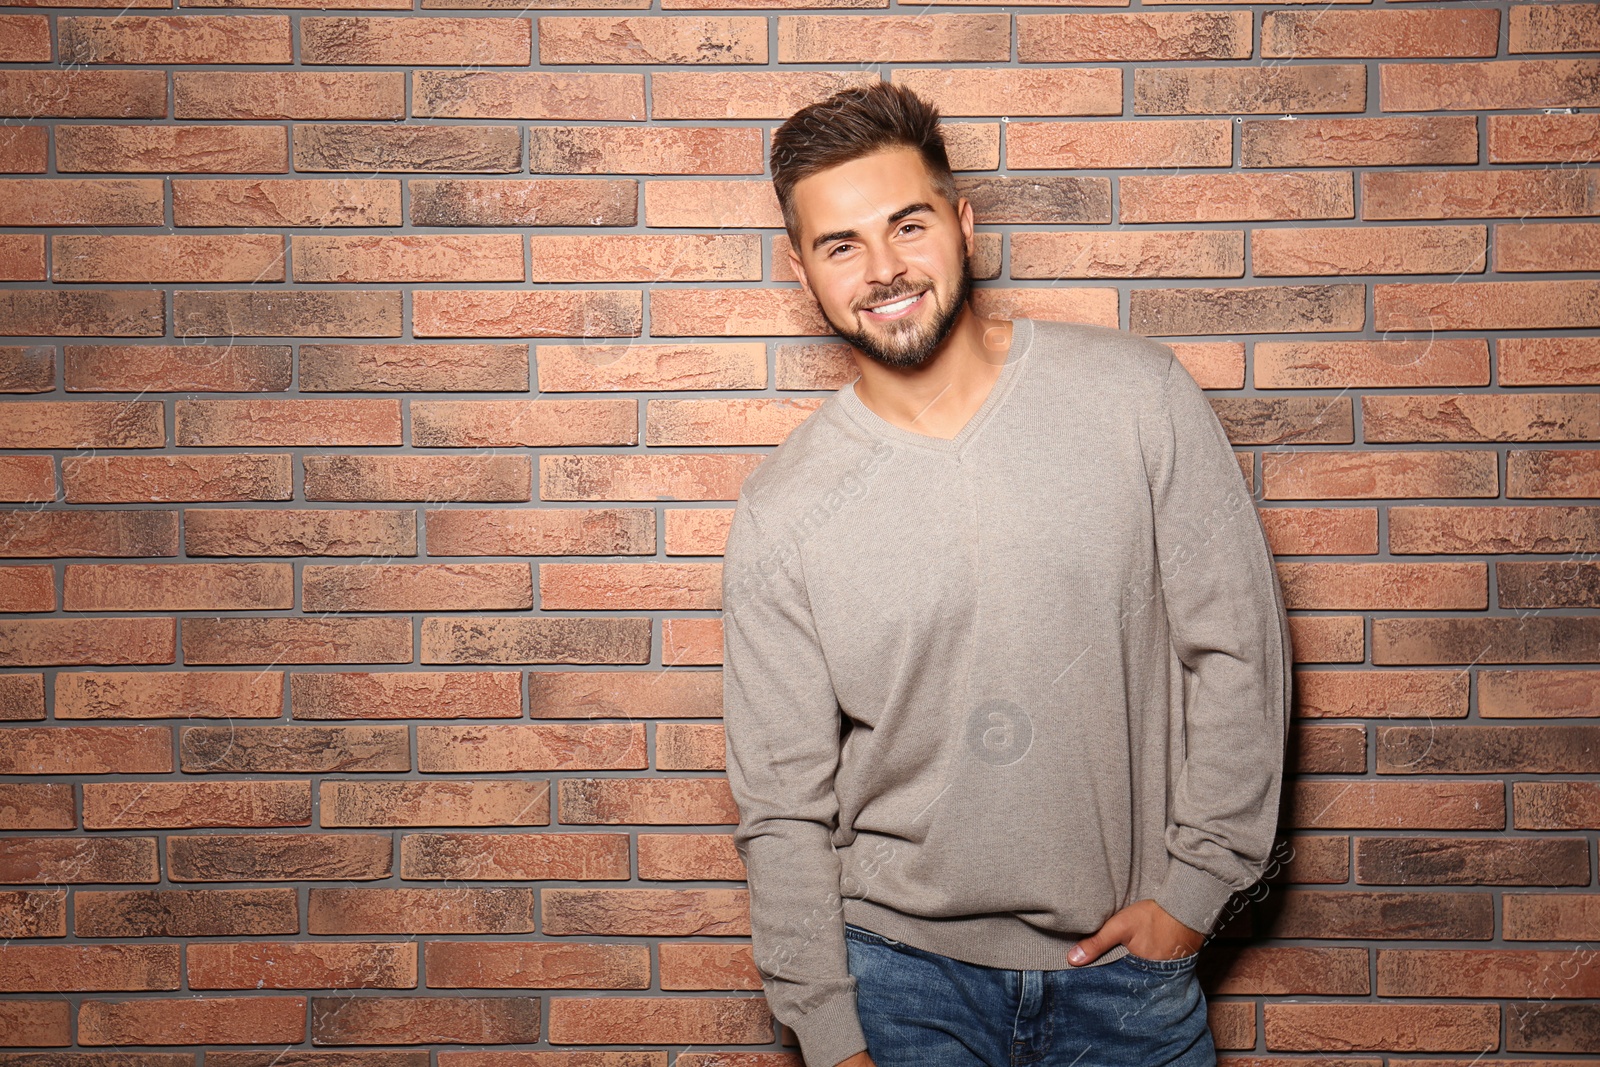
(818, 457)
(1087, 358)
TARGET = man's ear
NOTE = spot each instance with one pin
(800, 272)
(964, 215)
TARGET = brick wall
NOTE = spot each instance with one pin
(381, 381)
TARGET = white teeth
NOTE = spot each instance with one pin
(898, 305)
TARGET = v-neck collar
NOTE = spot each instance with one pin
(1021, 341)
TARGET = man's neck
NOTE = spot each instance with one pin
(940, 397)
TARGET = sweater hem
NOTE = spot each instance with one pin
(989, 941)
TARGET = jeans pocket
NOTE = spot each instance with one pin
(861, 934)
(1172, 966)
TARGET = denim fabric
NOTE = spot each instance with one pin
(920, 1008)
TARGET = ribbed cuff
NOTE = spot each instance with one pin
(1192, 896)
(831, 1033)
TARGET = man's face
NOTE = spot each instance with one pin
(874, 232)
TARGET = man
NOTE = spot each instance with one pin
(1006, 664)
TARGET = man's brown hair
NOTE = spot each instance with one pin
(852, 123)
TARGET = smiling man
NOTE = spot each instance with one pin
(1006, 667)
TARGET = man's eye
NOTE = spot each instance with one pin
(837, 248)
(913, 225)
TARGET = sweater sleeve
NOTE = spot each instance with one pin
(781, 721)
(1229, 628)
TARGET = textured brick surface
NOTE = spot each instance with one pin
(379, 383)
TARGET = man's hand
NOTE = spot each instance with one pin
(860, 1059)
(1146, 928)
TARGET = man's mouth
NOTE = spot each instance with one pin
(897, 308)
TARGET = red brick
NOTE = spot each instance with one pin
(1392, 33)
(528, 94)
(408, 258)
(1110, 143)
(300, 94)
(88, 201)
(1327, 250)
(30, 479)
(299, 532)
(542, 532)
(1573, 27)
(1129, 254)
(186, 38)
(968, 38)
(1010, 91)
(399, 40)
(1554, 246)
(714, 202)
(294, 749)
(424, 1020)
(1544, 139)
(86, 750)
(279, 857)
(302, 422)
(524, 201)
(298, 201)
(79, 93)
(151, 258)
(677, 1020)
(275, 313)
(27, 39)
(637, 586)
(407, 695)
(652, 39)
(174, 149)
(411, 478)
(1470, 417)
(185, 913)
(1486, 305)
(169, 694)
(77, 312)
(742, 94)
(513, 857)
(639, 367)
(624, 694)
(296, 639)
(87, 968)
(29, 367)
(1479, 194)
(421, 911)
(407, 367)
(1237, 197)
(82, 424)
(28, 589)
(1514, 83)
(42, 806)
(1346, 142)
(21, 698)
(178, 587)
(447, 803)
(1336, 364)
(299, 965)
(33, 913)
(643, 150)
(160, 479)
(76, 860)
(180, 805)
(89, 533)
(1134, 36)
(1252, 309)
(203, 1021)
(87, 642)
(490, 749)
(681, 476)
(532, 423)
(1392, 1027)
(35, 1024)
(552, 639)
(528, 312)
(543, 965)
(414, 587)
(1250, 90)
(646, 258)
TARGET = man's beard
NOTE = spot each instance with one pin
(911, 344)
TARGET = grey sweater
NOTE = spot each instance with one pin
(981, 693)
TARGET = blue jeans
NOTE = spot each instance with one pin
(920, 1008)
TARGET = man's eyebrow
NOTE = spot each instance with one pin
(842, 235)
